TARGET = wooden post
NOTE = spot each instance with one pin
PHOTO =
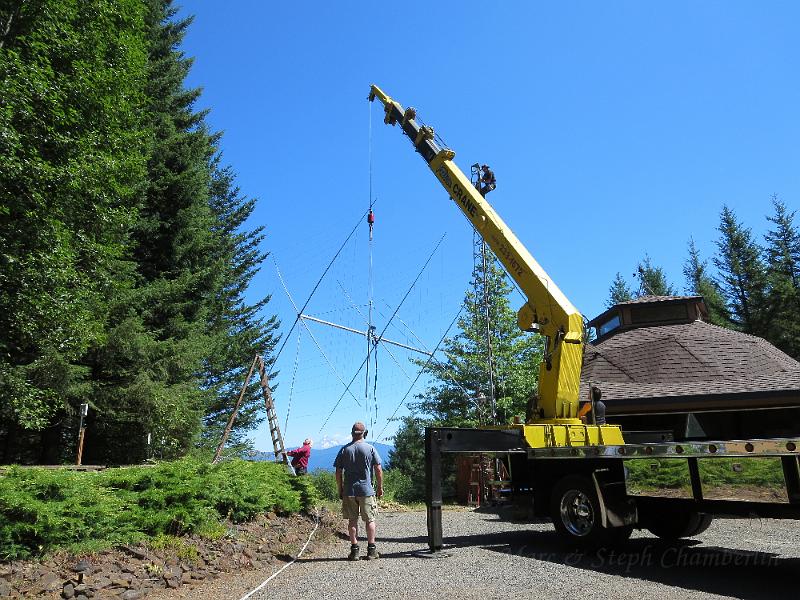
(84, 411)
(232, 418)
(80, 444)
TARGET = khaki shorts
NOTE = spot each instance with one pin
(366, 506)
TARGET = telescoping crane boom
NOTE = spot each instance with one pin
(547, 310)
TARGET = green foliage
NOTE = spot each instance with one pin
(652, 279)
(42, 510)
(700, 283)
(619, 291)
(325, 484)
(401, 487)
(782, 254)
(407, 457)
(124, 252)
(461, 390)
(742, 275)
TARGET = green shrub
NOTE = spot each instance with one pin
(324, 483)
(42, 510)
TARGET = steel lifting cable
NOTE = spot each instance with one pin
(370, 280)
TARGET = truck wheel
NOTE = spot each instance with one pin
(680, 524)
(575, 511)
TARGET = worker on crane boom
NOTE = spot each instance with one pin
(487, 180)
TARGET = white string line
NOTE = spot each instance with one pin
(289, 564)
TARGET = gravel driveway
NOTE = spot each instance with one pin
(486, 557)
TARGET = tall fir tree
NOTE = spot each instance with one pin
(72, 159)
(700, 283)
(782, 254)
(238, 329)
(742, 275)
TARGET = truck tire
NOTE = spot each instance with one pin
(680, 524)
(575, 511)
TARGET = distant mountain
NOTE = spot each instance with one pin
(323, 459)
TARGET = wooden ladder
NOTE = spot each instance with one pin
(269, 404)
(272, 415)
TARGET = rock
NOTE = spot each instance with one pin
(49, 583)
(131, 595)
(173, 583)
(68, 591)
(186, 577)
(249, 553)
(256, 564)
(81, 597)
(5, 589)
(101, 582)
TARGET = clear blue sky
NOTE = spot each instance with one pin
(615, 129)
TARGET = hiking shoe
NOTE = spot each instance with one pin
(353, 553)
(372, 553)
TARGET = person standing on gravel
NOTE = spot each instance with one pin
(354, 466)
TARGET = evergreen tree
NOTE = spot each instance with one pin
(238, 330)
(461, 395)
(408, 454)
(652, 280)
(700, 283)
(72, 156)
(782, 254)
(741, 275)
(619, 291)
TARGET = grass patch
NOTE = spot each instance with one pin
(45, 510)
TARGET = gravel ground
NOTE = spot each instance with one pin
(486, 557)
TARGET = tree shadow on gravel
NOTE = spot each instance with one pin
(685, 564)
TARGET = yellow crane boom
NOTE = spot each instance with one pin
(547, 310)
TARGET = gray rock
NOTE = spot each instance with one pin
(68, 591)
(131, 595)
(5, 589)
(49, 583)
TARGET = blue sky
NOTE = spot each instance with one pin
(615, 129)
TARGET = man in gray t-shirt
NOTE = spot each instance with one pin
(354, 465)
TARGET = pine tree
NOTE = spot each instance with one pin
(741, 275)
(149, 374)
(700, 283)
(460, 395)
(619, 291)
(652, 280)
(782, 255)
(238, 330)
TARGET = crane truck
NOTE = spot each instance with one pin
(560, 466)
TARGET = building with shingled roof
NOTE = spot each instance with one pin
(663, 369)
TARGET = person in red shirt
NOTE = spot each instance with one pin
(300, 457)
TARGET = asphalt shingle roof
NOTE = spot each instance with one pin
(695, 365)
